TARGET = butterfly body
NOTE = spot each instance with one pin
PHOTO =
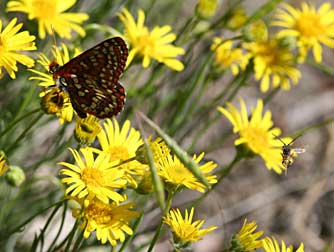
(91, 79)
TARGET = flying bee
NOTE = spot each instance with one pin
(289, 153)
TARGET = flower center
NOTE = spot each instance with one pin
(147, 43)
(99, 212)
(118, 153)
(188, 233)
(44, 9)
(92, 177)
(178, 174)
(257, 139)
(268, 53)
(310, 25)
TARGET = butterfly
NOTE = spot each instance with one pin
(91, 79)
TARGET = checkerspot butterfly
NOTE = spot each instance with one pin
(91, 79)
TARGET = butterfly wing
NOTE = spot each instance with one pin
(92, 79)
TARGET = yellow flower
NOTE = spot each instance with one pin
(86, 129)
(12, 41)
(92, 178)
(3, 163)
(177, 176)
(159, 151)
(50, 15)
(65, 113)
(110, 221)
(154, 44)
(256, 133)
(158, 148)
(271, 245)
(246, 240)
(273, 64)
(121, 144)
(184, 230)
(310, 27)
(57, 102)
(227, 57)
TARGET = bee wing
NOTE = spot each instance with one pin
(298, 150)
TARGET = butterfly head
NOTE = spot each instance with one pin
(53, 67)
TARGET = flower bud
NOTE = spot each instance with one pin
(86, 129)
(206, 8)
(15, 176)
(256, 31)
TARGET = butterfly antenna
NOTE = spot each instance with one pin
(277, 137)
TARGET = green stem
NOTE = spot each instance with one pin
(223, 173)
(184, 106)
(78, 242)
(182, 32)
(224, 92)
(220, 22)
(321, 66)
(24, 133)
(314, 126)
(158, 231)
(242, 82)
(271, 95)
(20, 227)
(157, 183)
(202, 131)
(27, 100)
(70, 236)
(60, 227)
(13, 123)
(130, 237)
(41, 235)
(183, 156)
(263, 10)
(191, 26)
(207, 125)
(149, 87)
(150, 7)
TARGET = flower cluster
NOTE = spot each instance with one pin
(272, 57)
(97, 179)
(99, 175)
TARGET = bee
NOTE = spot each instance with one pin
(288, 153)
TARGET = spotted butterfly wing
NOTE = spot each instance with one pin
(91, 79)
